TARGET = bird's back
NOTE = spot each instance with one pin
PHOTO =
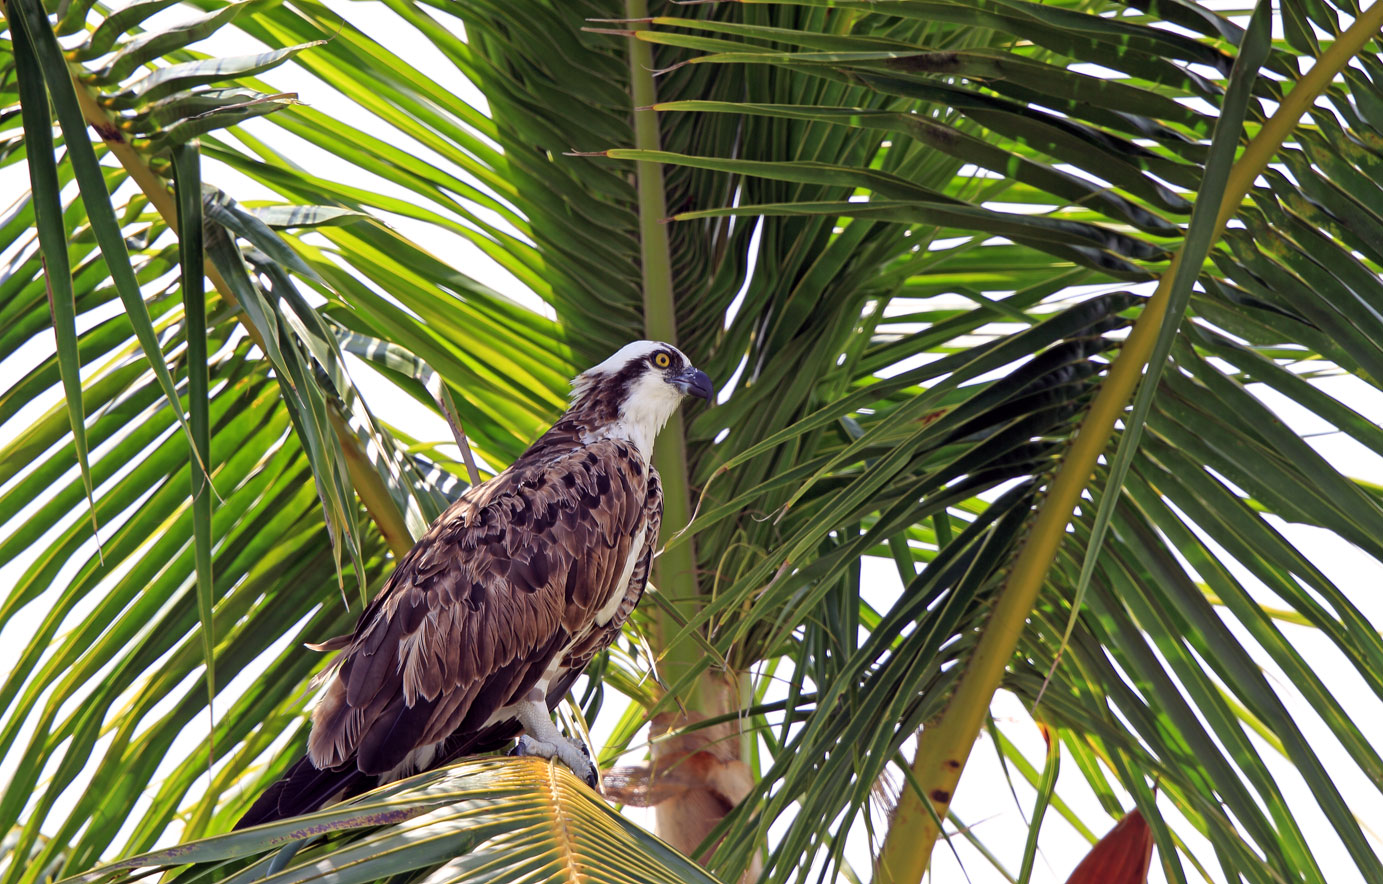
(500, 596)
(488, 619)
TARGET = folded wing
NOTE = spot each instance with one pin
(502, 588)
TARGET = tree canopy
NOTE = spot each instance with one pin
(1001, 292)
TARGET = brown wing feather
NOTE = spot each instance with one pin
(601, 638)
(477, 610)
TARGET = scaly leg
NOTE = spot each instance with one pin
(542, 738)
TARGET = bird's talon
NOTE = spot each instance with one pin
(580, 747)
(586, 772)
(584, 766)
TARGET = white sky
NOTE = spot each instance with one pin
(983, 799)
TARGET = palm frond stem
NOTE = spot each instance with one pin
(945, 744)
(675, 569)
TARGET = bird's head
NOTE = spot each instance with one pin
(634, 392)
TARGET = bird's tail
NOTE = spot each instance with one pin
(305, 788)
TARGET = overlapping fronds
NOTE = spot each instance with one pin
(493, 819)
(907, 236)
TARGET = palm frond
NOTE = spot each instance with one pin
(495, 819)
(946, 215)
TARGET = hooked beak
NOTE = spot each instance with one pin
(693, 382)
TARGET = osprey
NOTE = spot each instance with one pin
(485, 624)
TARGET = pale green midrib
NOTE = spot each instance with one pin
(675, 570)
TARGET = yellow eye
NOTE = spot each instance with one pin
(662, 360)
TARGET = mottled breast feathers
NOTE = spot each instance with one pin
(505, 586)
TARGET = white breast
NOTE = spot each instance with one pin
(621, 588)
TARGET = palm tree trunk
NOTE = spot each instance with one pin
(705, 764)
(708, 766)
